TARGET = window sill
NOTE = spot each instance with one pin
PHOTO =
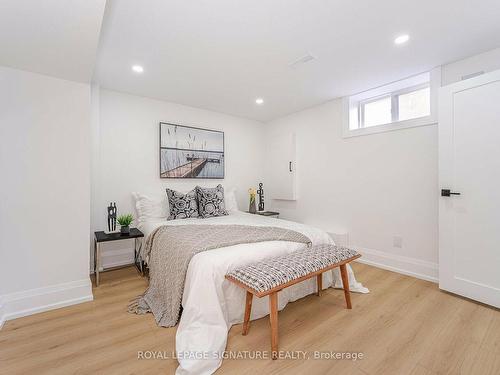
(422, 121)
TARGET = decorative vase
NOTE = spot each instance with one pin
(125, 230)
(251, 208)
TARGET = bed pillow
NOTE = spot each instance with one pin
(182, 206)
(211, 201)
(149, 208)
(230, 200)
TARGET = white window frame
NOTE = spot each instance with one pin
(434, 84)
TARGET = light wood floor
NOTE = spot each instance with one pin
(404, 326)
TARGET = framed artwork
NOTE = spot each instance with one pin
(189, 152)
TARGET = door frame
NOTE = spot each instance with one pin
(447, 279)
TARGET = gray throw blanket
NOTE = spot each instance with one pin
(170, 249)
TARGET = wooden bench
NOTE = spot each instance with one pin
(268, 277)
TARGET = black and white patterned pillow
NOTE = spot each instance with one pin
(182, 206)
(211, 201)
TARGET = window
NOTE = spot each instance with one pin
(376, 112)
(414, 104)
(399, 105)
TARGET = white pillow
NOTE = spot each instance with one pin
(149, 208)
(230, 200)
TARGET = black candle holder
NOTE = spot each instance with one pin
(261, 197)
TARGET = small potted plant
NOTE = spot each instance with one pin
(125, 221)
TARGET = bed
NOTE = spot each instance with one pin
(211, 304)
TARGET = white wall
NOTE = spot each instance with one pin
(484, 62)
(45, 190)
(128, 157)
(372, 187)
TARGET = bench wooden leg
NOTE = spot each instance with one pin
(319, 283)
(248, 310)
(273, 319)
(345, 283)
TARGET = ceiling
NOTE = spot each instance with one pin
(222, 55)
(53, 37)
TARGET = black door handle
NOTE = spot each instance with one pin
(290, 166)
(448, 193)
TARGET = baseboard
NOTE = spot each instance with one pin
(2, 319)
(405, 265)
(28, 302)
(115, 258)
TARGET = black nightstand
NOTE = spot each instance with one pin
(100, 237)
(274, 214)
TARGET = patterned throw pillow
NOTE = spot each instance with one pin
(182, 206)
(211, 201)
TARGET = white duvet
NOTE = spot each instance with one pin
(211, 304)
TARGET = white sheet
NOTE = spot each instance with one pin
(211, 304)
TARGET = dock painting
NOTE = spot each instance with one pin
(188, 152)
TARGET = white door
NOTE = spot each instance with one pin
(281, 167)
(469, 164)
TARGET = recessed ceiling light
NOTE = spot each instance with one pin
(137, 68)
(259, 101)
(402, 39)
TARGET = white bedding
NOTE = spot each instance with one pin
(211, 304)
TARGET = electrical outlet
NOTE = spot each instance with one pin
(397, 241)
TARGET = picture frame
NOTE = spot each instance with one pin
(191, 152)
